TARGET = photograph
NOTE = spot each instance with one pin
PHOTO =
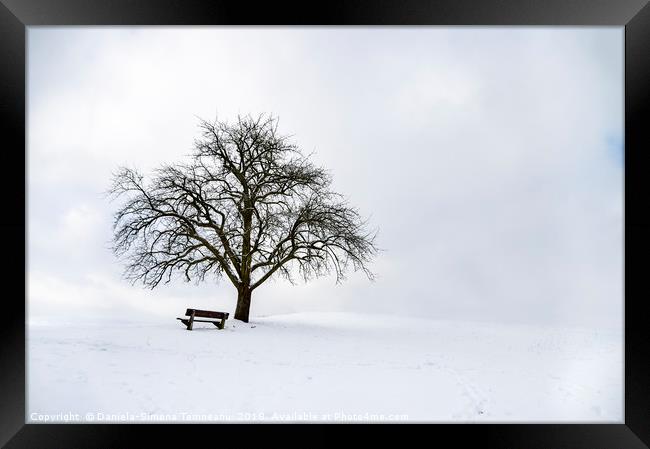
(319, 224)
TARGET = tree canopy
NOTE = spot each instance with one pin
(247, 205)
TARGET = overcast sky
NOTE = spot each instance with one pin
(490, 159)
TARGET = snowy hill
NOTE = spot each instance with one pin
(324, 366)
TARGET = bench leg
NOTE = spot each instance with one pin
(222, 324)
(191, 323)
(185, 322)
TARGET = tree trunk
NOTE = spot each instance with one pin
(243, 304)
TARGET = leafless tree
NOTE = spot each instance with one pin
(248, 204)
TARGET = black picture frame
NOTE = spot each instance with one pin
(634, 15)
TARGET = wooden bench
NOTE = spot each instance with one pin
(193, 313)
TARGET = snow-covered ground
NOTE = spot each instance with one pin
(324, 366)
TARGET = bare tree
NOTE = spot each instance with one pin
(248, 204)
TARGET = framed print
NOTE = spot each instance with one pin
(389, 215)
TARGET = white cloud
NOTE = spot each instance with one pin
(483, 155)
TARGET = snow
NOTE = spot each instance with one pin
(323, 366)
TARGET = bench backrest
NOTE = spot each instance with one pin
(207, 314)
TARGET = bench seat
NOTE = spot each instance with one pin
(193, 313)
